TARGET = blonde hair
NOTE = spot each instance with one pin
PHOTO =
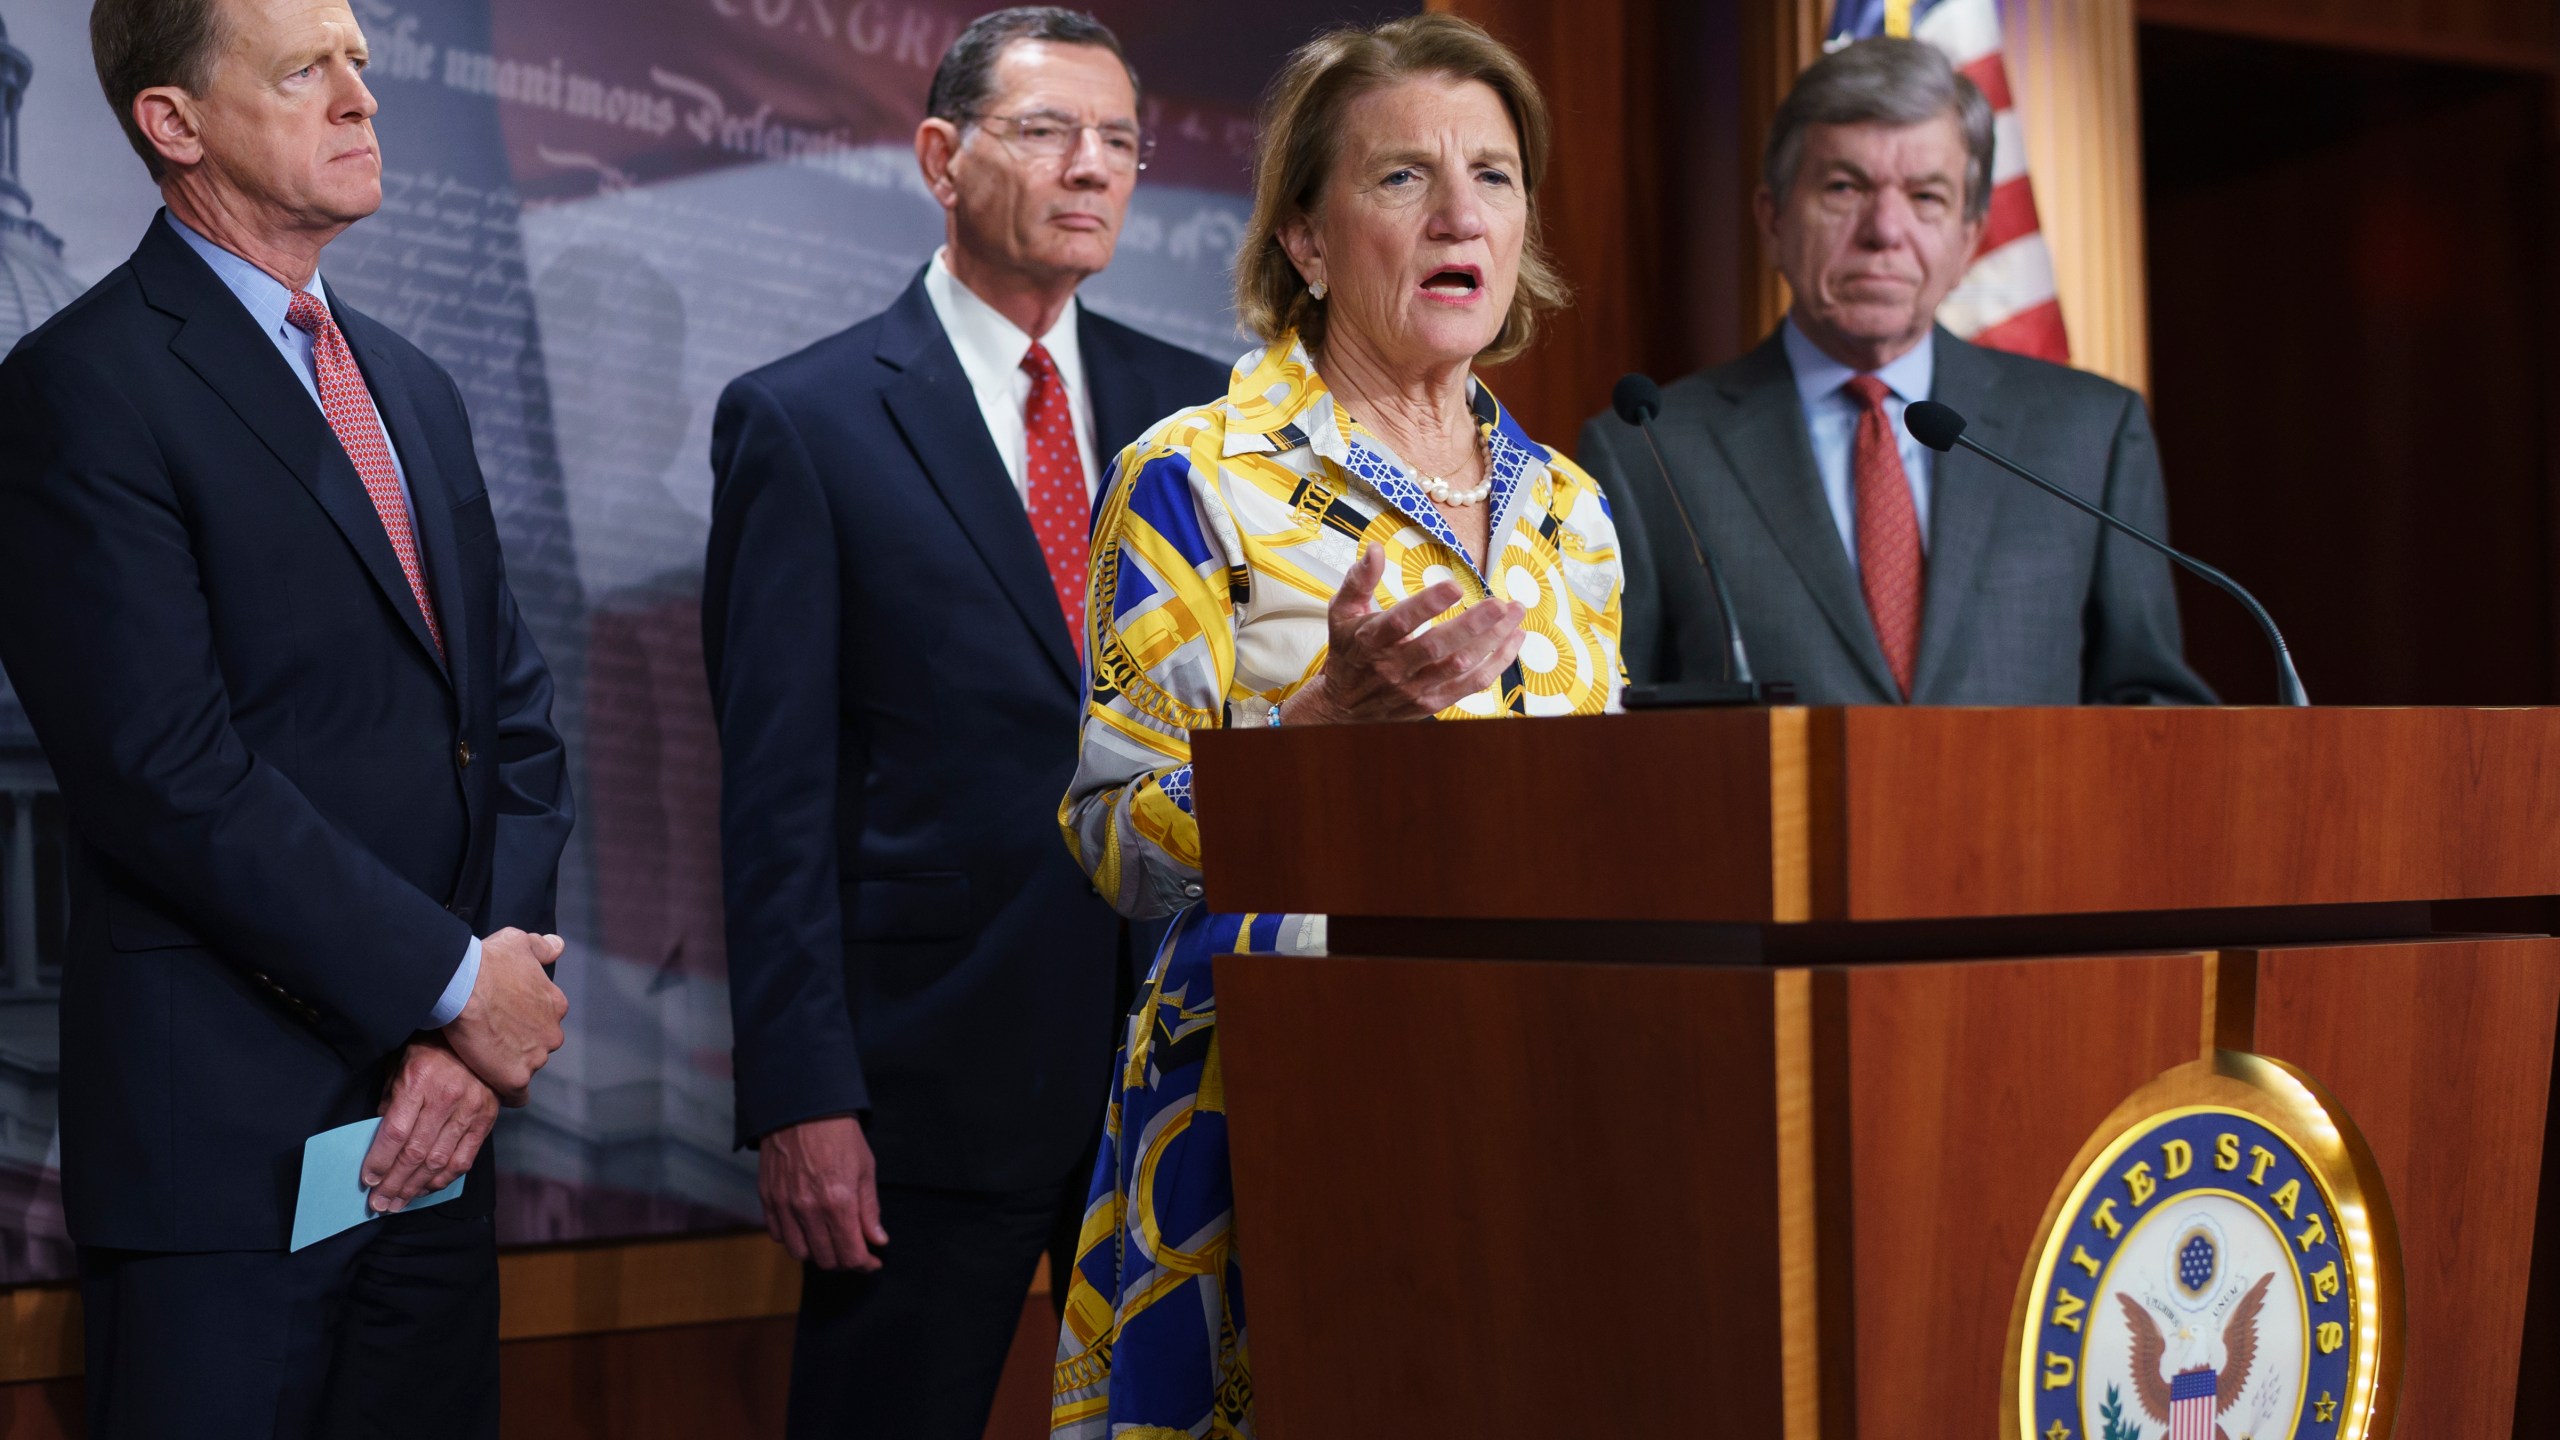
(1301, 118)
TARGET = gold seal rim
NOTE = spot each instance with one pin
(2309, 1119)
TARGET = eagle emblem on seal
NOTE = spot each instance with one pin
(2192, 1400)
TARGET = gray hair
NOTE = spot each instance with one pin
(966, 78)
(1883, 81)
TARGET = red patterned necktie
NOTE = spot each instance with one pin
(1053, 475)
(349, 406)
(1890, 567)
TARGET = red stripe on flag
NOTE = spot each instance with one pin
(2013, 215)
(1991, 77)
(2035, 331)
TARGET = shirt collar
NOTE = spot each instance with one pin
(1819, 377)
(1277, 402)
(991, 347)
(267, 299)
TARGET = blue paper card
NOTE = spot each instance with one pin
(333, 1196)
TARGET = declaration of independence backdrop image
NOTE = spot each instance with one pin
(595, 214)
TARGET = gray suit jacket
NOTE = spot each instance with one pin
(2027, 601)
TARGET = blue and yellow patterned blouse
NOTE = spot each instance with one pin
(1214, 562)
(1213, 566)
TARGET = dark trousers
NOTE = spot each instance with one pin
(915, 1350)
(389, 1330)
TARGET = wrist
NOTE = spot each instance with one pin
(1306, 707)
(465, 983)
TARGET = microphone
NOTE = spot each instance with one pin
(1941, 429)
(1637, 400)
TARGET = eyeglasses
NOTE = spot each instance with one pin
(1048, 135)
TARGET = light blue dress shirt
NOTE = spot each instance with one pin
(1831, 417)
(268, 301)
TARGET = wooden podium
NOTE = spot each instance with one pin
(1712, 1073)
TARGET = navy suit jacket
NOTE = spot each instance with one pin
(899, 702)
(288, 814)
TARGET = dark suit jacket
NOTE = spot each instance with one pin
(288, 816)
(2027, 601)
(899, 702)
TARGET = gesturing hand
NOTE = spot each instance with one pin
(1379, 669)
(511, 1024)
(434, 1117)
(821, 1195)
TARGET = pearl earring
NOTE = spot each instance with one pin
(1316, 291)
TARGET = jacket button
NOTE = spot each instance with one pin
(1192, 890)
(462, 754)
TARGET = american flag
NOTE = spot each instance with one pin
(2191, 1405)
(2007, 299)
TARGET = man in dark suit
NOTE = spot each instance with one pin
(252, 597)
(923, 984)
(1865, 568)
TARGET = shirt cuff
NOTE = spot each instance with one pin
(457, 993)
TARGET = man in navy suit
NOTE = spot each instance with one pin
(923, 984)
(252, 597)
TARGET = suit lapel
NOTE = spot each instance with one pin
(1766, 447)
(1965, 496)
(1122, 408)
(222, 345)
(938, 414)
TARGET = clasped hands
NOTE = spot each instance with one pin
(1378, 668)
(443, 1100)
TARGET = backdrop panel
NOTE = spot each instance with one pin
(596, 212)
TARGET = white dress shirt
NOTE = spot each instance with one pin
(1831, 416)
(991, 350)
(268, 302)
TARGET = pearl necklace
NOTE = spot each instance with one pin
(1438, 488)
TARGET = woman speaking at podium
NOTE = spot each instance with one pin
(1356, 531)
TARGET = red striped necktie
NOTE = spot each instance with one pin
(1054, 485)
(1890, 566)
(349, 406)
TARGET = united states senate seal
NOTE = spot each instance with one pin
(2219, 1263)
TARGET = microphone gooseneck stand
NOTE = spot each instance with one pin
(1940, 428)
(1637, 400)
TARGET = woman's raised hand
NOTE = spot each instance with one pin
(1379, 669)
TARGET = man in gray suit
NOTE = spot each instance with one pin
(1866, 568)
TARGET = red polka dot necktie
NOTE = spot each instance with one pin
(349, 406)
(1053, 475)
(1890, 566)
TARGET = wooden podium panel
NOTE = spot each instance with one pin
(1507, 1199)
(1779, 816)
(1719, 795)
(1965, 1090)
(1466, 1180)
(1742, 1109)
(2442, 1053)
(1488, 1207)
